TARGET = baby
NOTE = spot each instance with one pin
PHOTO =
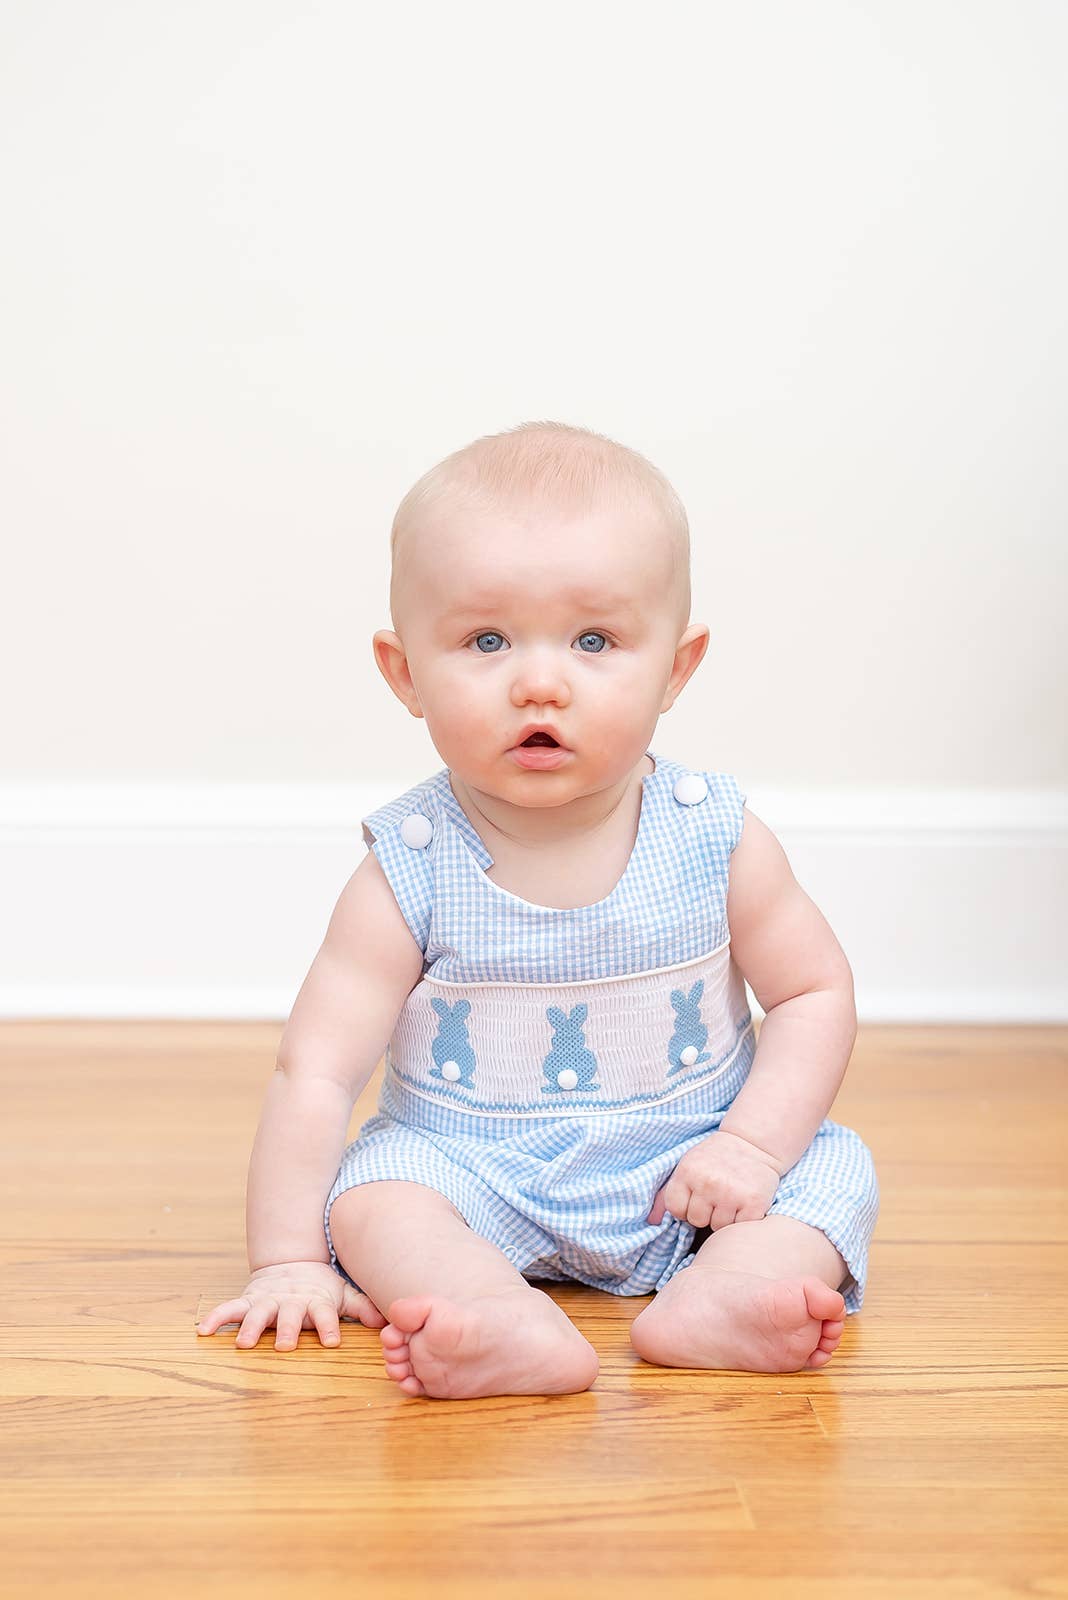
(549, 940)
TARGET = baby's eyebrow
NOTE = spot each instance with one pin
(600, 602)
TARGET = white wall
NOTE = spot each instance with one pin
(267, 262)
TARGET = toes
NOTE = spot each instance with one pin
(398, 1360)
(402, 1375)
(396, 1353)
(828, 1344)
(410, 1314)
(823, 1302)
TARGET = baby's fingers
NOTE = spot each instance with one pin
(290, 1322)
(361, 1308)
(672, 1200)
(261, 1316)
(229, 1311)
(292, 1316)
(327, 1326)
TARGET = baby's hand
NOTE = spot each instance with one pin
(723, 1179)
(294, 1295)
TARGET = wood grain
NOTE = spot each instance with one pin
(928, 1457)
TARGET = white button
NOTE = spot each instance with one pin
(450, 1070)
(690, 790)
(417, 830)
(689, 1055)
(568, 1079)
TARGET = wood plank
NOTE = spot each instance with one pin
(290, 1554)
(928, 1457)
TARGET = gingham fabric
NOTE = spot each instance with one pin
(552, 1066)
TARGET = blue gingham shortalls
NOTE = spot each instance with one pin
(553, 1066)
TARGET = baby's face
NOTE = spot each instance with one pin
(569, 621)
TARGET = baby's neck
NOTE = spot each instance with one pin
(540, 828)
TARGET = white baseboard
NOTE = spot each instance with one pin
(210, 901)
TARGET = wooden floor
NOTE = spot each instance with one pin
(927, 1458)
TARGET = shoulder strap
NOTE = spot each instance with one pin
(406, 854)
(726, 804)
(703, 814)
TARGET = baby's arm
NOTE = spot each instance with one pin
(337, 1032)
(800, 975)
(339, 1027)
(798, 971)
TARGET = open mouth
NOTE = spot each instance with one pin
(540, 738)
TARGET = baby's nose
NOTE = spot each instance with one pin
(540, 679)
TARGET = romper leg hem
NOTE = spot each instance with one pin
(402, 1155)
(833, 1187)
(846, 1240)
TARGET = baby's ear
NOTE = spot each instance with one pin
(391, 659)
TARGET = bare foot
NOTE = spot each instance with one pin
(710, 1317)
(515, 1342)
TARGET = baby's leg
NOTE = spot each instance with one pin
(462, 1320)
(758, 1296)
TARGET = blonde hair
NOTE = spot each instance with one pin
(550, 463)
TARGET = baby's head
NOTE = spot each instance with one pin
(540, 577)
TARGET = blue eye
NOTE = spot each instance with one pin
(598, 647)
(493, 649)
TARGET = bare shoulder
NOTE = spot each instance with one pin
(367, 923)
(759, 872)
(779, 938)
(367, 966)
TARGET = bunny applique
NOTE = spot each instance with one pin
(691, 1035)
(569, 1065)
(454, 1059)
